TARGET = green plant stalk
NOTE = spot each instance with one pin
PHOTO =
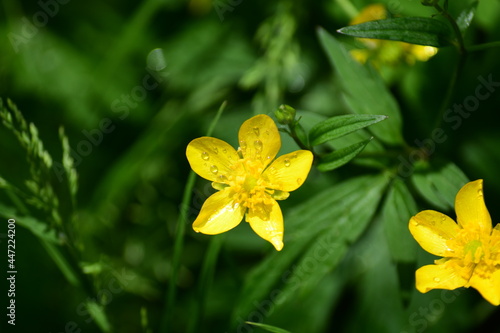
(348, 8)
(72, 272)
(458, 69)
(205, 282)
(179, 239)
(485, 46)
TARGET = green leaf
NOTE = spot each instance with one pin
(38, 228)
(97, 312)
(365, 92)
(268, 328)
(414, 30)
(399, 207)
(377, 285)
(337, 215)
(466, 16)
(440, 187)
(342, 156)
(339, 126)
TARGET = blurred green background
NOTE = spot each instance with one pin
(132, 83)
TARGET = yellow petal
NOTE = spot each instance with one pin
(259, 139)
(470, 207)
(288, 172)
(219, 214)
(486, 279)
(448, 275)
(211, 158)
(267, 222)
(432, 230)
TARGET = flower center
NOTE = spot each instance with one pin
(247, 184)
(473, 251)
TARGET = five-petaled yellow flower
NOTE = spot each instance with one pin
(248, 180)
(471, 248)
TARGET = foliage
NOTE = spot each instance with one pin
(99, 101)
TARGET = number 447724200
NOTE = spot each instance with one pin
(11, 247)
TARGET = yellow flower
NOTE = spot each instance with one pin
(386, 51)
(248, 183)
(471, 248)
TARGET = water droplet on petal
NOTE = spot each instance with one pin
(214, 169)
(205, 156)
(216, 150)
(286, 162)
(443, 218)
(258, 145)
(436, 279)
(224, 150)
(294, 155)
(243, 144)
(222, 178)
(256, 131)
(480, 192)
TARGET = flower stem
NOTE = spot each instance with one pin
(168, 318)
(462, 57)
(205, 281)
(484, 46)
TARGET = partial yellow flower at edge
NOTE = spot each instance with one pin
(249, 180)
(471, 247)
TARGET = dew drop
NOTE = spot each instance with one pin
(480, 192)
(224, 150)
(436, 279)
(243, 144)
(214, 169)
(287, 162)
(216, 150)
(256, 131)
(443, 218)
(222, 178)
(205, 156)
(258, 145)
(294, 155)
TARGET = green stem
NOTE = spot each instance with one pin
(458, 69)
(205, 282)
(348, 8)
(168, 318)
(455, 27)
(484, 46)
(70, 269)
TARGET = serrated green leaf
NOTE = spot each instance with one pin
(342, 156)
(414, 30)
(365, 92)
(339, 126)
(466, 16)
(399, 207)
(268, 328)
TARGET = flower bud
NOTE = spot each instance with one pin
(285, 114)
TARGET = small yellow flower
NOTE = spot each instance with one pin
(471, 248)
(386, 51)
(248, 183)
